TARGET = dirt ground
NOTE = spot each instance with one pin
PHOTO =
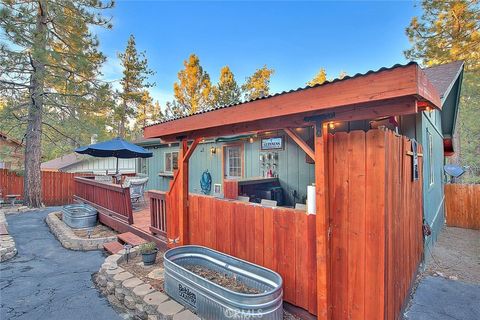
(100, 231)
(135, 266)
(456, 255)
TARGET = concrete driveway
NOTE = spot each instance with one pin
(46, 281)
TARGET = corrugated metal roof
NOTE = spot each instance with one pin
(291, 91)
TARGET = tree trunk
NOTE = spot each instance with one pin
(33, 137)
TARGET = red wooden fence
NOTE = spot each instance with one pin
(462, 204)
(57, 187)
(376, 222)
(277, 238)
(375, 219)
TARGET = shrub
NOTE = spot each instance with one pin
(148, 247)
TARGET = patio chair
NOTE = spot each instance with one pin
(137, 190)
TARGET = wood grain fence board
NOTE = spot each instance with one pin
(259, 244)
(356, 230)
(339, 227)
(462, 205)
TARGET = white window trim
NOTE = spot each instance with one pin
(171, 161)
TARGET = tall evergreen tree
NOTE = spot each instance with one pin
(258, 84)
(449, 31)
(227, 91)
(134, 82)
(148, 112)
(46, 43)
(193, 91)
(319, 78)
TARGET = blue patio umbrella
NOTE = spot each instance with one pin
(117, 148)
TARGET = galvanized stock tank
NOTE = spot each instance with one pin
(212, 301)
(79, 216)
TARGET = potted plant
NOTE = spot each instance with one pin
(149, 253)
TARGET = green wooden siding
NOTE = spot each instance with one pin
(293, 171)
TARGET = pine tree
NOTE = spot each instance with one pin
(193, 91)
(258, 84)
(449, 31)
(319, 78)
(134, 82)
(46, 43)
(227, 91)
(147, 113)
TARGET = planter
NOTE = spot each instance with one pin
(212, 301)
(149, 258)
(79, 216)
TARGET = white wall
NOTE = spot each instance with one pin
(101, 165)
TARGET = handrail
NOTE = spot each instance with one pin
(103, 184)
(158, 212)
(113, 200)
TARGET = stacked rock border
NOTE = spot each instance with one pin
(7, 244)
(140, 298)
(69, 239)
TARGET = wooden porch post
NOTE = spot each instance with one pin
(322, 223)
(183, 194)
(183, 158)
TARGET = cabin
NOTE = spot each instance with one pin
(351, 171)
(11, 153)
(79, 163)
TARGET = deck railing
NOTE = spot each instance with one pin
(158, 212)
(108, 198)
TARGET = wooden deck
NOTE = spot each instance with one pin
(141, 219)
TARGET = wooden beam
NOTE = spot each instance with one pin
(322, 225)
(366, 111)
(301, 143)
(378, 86)
(189, 153)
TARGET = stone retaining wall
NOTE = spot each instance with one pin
(7, 244)
(69, 239)
(142, 300)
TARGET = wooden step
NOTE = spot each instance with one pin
(131, 239)
(113, 247)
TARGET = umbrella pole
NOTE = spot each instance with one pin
(117, 167)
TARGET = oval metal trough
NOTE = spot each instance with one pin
(79, 216)
(212, 301)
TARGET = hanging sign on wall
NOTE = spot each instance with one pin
(274, 143)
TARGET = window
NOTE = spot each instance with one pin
(233, 162)
(142, 165)
(430, 157)
(171, 161)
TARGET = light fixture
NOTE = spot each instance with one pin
(250, 140)
(428, 109)
(213, 150)
(331, 125)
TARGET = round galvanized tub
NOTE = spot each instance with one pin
(79, 216)
(211, 301)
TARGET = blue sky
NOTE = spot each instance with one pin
(294, 38)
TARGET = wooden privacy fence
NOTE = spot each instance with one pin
(462, 204)
(278, 238)
(57, 187)
(375, 225)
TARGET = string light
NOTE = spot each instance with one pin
(331, 125)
